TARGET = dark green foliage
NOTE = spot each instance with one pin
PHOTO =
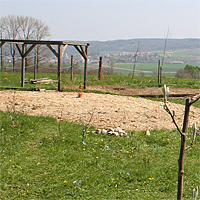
(189, 72)
(193, 71)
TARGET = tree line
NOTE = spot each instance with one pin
(23, 28)
(188, 72)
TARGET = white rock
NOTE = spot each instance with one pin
(111, 129)
(148, 133)
(118, 129)
(110, 132)
(116, 133)
(104, 131)
(98, 131)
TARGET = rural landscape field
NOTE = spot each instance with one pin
(111, 140)
(99, 100)
(58, 155)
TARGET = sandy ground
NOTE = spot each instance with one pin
(107, 111)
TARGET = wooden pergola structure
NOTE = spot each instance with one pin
(82, 48)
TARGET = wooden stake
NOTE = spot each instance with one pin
(72, 63)
(100, 68)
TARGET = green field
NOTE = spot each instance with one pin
(11, 79)
(42, 158)
(45, 159)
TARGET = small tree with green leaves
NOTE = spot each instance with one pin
(183, 133)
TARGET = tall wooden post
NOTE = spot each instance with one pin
(158, 72)
(35, 66)
(85, 69)
(59, 67)
(1, 58)
(23, 67)
(1, 53)
(72, 64)
(100, 68)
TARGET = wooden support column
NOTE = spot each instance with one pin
(22, 67)
(85, 68)
(23, 55)
(100, 68)
(72, 65)
(59, 67)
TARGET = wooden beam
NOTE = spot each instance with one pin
(79, 50)
(29, 50)
(44, 42)
(84, 53)
(2, 43)
(20, 51)
(52, 50)
(63, 49)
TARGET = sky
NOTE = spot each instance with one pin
(102, 20)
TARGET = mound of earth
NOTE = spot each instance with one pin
(107, 111)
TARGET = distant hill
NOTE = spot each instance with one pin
(146, 45)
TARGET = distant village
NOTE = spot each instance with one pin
(124, 57)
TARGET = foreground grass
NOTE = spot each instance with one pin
(44, 159)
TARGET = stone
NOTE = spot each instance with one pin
(148, 133)
(104, 131)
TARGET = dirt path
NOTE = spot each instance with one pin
(129, 113)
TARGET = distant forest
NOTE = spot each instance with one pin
(146, 45)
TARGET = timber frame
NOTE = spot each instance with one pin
(20, 44)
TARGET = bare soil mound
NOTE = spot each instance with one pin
(113, 111)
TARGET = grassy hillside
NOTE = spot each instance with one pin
(45, 159)
(147, 44)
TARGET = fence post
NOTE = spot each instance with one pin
(158, 72)
(72, 63)
(100, 68)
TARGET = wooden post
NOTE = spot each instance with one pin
(59, 67)
(158, 72)
(35, 66)
(1, 58)
(182, 150)
(100, 68)
(72, 63)
(22, 67)
(85, 69)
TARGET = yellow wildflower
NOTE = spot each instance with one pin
(151, 179)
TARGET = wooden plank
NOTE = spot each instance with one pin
(44, 42)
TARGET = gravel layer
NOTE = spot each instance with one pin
(108, 111)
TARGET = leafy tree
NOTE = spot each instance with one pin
(193, 71)
(189, 72)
